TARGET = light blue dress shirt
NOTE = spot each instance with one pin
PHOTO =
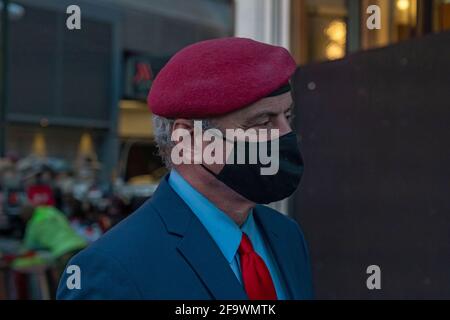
(226, 233)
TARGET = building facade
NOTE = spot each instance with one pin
(79, 93)
(316, 31)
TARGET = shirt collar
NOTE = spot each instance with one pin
(224, 231)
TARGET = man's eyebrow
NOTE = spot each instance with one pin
(267, 113)
(260, 115)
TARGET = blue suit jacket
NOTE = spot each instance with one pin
(162, 251)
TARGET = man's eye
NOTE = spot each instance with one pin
(290, 117)
(262, 124)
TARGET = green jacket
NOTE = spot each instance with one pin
(49, 229)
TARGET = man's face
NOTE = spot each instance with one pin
(268, 118)
(250, 123)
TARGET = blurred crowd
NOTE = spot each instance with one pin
(49, 210)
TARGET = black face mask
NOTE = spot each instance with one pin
(247, 180)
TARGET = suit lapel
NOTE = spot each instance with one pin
(281, 247)
(196, 245)
(203, 255)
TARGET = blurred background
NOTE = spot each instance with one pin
(76, 143)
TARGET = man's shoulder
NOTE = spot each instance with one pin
(289, 240)
(278, 219)
(282, 225)
(114, 266)
(142, 228)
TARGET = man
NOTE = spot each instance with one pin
(203, 234)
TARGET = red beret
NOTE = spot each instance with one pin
(214, 77)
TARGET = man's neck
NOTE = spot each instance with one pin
(224, 198)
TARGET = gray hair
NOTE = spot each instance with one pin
(162, 128)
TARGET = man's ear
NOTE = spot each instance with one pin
(185, 126)
(183, 132)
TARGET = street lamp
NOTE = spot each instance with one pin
(15, 11)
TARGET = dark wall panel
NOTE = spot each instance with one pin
(87, 65)
(33, 69)
(59, 73)
(375, 133)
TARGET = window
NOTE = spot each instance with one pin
(404, 19)
(441, 15)
(398, 22)
(319, 30)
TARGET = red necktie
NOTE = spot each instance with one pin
(256, 277)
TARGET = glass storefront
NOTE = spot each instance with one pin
(323, 33)
(441, 15)
(405, 19)
(325, 29)
(398, 22)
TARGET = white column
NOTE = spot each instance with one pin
(263, 20)
(266, 21)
